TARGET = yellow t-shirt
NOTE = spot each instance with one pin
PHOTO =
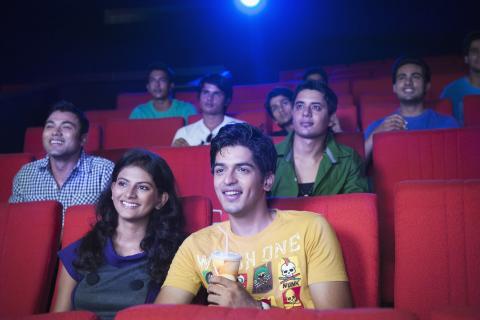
(278, 264)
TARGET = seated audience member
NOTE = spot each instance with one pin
(215, 94)
(470, 84)
(67, 174)
(316, 74)
(160, 85)
(310, 162)
(411, 81)
(123, 260)
(279, 106)
(308, 273)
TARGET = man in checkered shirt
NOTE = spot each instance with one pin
(66, 174)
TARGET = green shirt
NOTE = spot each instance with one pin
(177, 109)
(340, 171)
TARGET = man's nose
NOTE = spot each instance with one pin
(230, 177)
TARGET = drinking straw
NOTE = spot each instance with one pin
(226, 238)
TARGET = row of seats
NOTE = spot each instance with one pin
(437, 244)
(190, 164)
(397, 156)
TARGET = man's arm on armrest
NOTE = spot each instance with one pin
(331, 295)
(172, 295)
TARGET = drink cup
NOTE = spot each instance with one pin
(226, 264)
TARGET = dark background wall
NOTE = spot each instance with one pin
(79, 50)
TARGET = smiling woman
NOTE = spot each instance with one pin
(124, 259)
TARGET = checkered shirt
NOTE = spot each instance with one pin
(35, 182)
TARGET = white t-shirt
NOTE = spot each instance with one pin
(196, 133)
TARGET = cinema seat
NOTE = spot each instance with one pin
(437, 245)
(347, 116)
(33, 140)
(471, 110)
(11, 164)
(79, 219)
(409, 155)
(140, 133)
(379, 85)
(129, 101)
(101, 117)
(354, 218)
(257, 91)
(237, 106)
(191, 168)
(29, 237)
(198, 312)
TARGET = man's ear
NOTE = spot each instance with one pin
(268, 181)
(331, 120)
(83, 139)
(161, 202)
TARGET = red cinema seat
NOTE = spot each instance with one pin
(437, 245)
(191, 168)
(354, 218)
(238, 106)
(79, 219)
(70, 315)
(33, 140)
(439, 81)
(380, 85)
(29, 237)
(340, 87)
(410, 155)
(471, 110)
(199, 312)
(11, 164)
(459, 313)
(259, 119)
(130, 100)
(347, 116)
(101, 117)
(187, 96)
(141, 133)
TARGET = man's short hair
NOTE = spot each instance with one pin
(163, 67)
(66, 106)
(243, 134)
(315, 70)
(287, 93)
(467, 41)
(411, 60)
(223, 83)
(328, 94)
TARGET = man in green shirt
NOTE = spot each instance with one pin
(160, 85)
(309, 161)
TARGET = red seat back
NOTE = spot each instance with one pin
(29, 237)
(11, 164)
(354, 218)
(33, 142)
(347, 116)
(191, 168)
(141, 133)
(69, 315)
(199, 312)
(101, 117)
(437, 245)
(471, 110)
(407, 155)
(130, 100)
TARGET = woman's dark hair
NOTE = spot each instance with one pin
(164, 231)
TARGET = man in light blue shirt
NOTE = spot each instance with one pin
(160, 85)
(411, 82)
(470, 84)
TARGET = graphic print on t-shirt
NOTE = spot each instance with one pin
(243, 279)
(291, 298)
(262, 278)
(290, 275)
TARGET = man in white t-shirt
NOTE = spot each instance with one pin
(214, 94)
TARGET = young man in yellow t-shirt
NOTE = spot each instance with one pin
(290, 259)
